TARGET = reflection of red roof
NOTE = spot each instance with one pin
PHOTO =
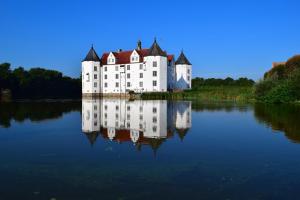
(123, 135)
(123, 57)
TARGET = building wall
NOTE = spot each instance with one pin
(183, 77)
(90, 72)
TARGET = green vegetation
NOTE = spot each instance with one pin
(212, 90)
(281, 84)
(37, 83)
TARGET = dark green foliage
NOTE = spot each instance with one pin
(38, 83)
(199, 82)
(281, 84)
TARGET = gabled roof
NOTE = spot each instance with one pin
(123, 57)
(92, 56)
(182, 60)
(155, 50)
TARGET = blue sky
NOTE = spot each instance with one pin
(221, 38)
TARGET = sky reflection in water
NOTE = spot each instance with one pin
(117, 149)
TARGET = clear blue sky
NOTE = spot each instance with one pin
(221, 38)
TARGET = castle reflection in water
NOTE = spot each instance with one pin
(140, 122)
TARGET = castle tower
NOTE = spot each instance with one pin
(183, 73)
(90, 73)
(156, 65)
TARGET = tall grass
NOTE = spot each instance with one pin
(208, 93)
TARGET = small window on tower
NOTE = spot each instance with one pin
(128, 84)
(95, 84)
(117, 68)
(87, 77)
(141, 66)
(154, 73)
(154, 83)
(128, 76)
(95, 68)
(154, 64)
(105, 76)
(128, 67)
(105, 69)
(95, 76)
(117, 76)
(141, 75)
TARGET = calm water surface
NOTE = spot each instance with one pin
(117, 149)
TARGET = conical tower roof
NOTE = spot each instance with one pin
(182, 60)
(155, 50)
(92, 56)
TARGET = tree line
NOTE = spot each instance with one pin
(38, 83)
(199, 82)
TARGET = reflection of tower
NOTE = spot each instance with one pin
(140, 122)
(91, 118)
(183, 118)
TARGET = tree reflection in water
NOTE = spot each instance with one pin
(285, 118)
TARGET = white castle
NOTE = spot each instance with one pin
(139, 70)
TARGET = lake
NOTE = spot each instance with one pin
(119, 149)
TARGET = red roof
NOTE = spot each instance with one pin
(170, 57)
(123, 57)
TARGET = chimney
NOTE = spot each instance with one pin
(120, 50)
(139, 45)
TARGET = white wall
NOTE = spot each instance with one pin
(183, 76)
(88, 77)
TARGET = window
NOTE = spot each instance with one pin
(141, 84)
(87, 77)
(154, 73)
(117, 107)
(105, 107)
(105, 84)
(95, 68)
(188, 71)
(141, 117)
(95, 115)
(154, 110)
(112, 60)
(128, 108)
(154, 128)
(117, 84)
(141, 126)
(95, 84)
(141, 75)
(141, 66)
(117, 116)
(105, 115)
(105, 76)
(128, 84)
(95, 123)
(154, 119)
(95, 76)
(128, 67)
(188, 78)
(128, 75)
(105, 69)
(117, 68)
(95, 107)
(154, 64)
(154, 83)
(132, 59)
(128, 117)
(117, 76)
(141, 108)
(128, 125)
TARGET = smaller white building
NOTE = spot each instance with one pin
(139, 70)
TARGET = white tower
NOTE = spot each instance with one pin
(183, 74)
(156, 65)
(91, 74)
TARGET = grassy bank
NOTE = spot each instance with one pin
(208, 93)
